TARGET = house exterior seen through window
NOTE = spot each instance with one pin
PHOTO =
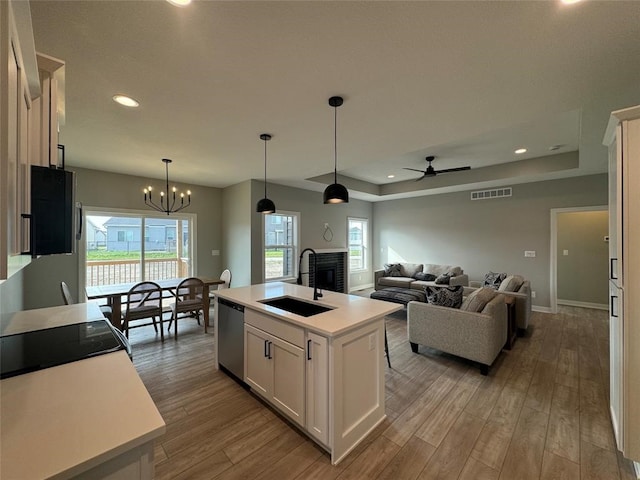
(280, 245)
(358, 243)
(125, 248)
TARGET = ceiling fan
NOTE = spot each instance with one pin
(432, 172)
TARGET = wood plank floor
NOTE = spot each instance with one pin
(542, 413)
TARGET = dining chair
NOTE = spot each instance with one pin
(144, 300)
(68, 300)
(190, 298)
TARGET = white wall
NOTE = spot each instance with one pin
(482, 235)
(313, 215)
(582, 274)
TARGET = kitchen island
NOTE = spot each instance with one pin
(88, 419)
(324, 372)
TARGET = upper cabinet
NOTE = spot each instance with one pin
(31, 110)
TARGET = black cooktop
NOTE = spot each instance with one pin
(38, 349)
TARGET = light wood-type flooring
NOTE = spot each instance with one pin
(542, 413)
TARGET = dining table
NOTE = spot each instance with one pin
(113, 295)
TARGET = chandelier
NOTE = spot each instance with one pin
(167, 205)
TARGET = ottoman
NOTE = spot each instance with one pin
(399, 295)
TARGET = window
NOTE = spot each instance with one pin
(280, 245)
(358, 243)
(126, 247)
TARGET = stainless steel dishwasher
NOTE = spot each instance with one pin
(231, 337)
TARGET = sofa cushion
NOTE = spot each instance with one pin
(393, 270)
(477, 300)
(410, 269)
(493, 279)
(425, 277)
(437, 270)
(443, 279)
(404, 282)
(445, 296)
(511, 284)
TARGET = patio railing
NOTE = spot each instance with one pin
(108, 272)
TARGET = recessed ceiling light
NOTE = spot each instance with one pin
(391, 176)
(179, 3)
(126, 101)
(569, 2)
(520, 150)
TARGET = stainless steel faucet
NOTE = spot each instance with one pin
(316, 293)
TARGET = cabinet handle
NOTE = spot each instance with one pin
(308, 349)
(611, 306)
(269, 350)
(611, 275)
(266, 354)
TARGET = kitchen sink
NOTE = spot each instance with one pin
(294, 305)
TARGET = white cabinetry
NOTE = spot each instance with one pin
(318, 387)
(29, 124)
(623, 138)
(274, 367)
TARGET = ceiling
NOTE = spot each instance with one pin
(468, 82)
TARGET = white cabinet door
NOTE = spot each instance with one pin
(258, 371)
(616, 350)
(274, 369)
(288, 379)
(318, 388)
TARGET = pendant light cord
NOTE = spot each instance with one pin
(265, 168)
(335, 144)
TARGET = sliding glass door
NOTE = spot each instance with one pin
(124, 248)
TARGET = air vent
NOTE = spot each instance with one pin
(493, 193)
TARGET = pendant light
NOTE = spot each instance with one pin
(335, 193)
(265, 205)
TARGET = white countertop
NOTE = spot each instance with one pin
(349, 311)
(61, 421)
(28, 320)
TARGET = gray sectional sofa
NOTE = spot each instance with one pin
(409, 275)
(477, 334)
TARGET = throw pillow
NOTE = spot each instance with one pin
(392, 270)
(511, 284)
(493, 279)
(425, 277)
(443, 279)
(445, 296)
(477, 300)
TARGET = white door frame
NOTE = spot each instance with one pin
(553, 281)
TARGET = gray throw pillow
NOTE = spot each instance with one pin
(511, 284)
(477, 300)
(445, 296)
(493, 279)
(443, 279)
(392, 270)
(425, 277)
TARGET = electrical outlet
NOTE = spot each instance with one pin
(215, 253)
(529, 253)
(565, 252)
(533, 294)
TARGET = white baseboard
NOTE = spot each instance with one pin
(573, 303)
(636, 467)
(537, 308)
(360, 287)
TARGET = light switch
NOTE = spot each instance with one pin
(529, 253)
(565, 252)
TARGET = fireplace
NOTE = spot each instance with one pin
(326, 277)
(331, 273)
